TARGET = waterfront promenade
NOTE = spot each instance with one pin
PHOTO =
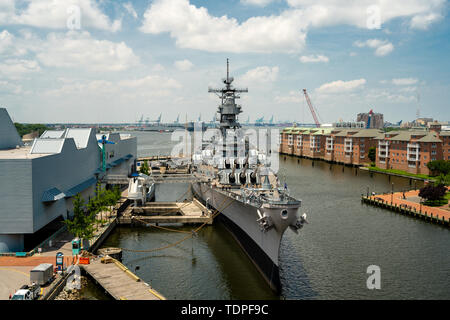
(15, 271)
(409, 201)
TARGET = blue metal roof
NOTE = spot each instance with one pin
(80, 187)
(128, 156)
(52, 194)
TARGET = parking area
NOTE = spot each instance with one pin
(12, 278)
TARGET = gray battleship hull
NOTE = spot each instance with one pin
(241, 220)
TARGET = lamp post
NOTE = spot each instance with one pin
(392, 193)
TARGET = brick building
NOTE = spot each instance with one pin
(402, 150)
(408, 150)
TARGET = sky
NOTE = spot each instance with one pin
(115, 61)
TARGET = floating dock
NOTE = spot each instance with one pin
(119, 282)
(167, 212)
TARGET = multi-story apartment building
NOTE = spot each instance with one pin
(349, 146)
(408, 150)
(402, 150)
(352, 145)
(445, 137)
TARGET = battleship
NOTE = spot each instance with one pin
(238, 182)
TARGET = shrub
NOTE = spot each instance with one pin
(433, 192)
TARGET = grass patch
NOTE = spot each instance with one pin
(436, 203)
(404, 173)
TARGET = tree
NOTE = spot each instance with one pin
(145, 169)
(372, 154)
(433, 192)
(85, 216)
(24, 129)
(438, 167)
(82, 224)
(443, 179)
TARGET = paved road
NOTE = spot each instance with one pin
(11, 279)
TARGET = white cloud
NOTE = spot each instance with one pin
(423, 21)
(130, 9)
(263, 74)
(80, 50)
(382, 47)
(195, 28)
(292, 97)
(7, 87)
(314, 58)
(386, 95)
(151, 81)
(404, 81)
(355, 13)
(10, 46)
(55, 14)
(183, 65)
(341, 86)
(149, 86)
(259, 3)
(14, 68)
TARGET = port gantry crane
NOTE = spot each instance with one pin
(311, 108)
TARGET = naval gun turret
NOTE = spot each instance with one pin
(231, 176)
(242, 175)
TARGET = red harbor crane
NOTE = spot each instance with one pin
(311, 108)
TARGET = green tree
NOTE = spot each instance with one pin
(145, 169)
(82, 224)
(372, 154)
(443, 180)
(24, 129)
(438, 167)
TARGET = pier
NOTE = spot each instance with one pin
(118, 281)
(408, 203)
(167, 212)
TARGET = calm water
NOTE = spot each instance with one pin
(328, 259)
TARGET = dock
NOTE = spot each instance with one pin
(407, 203)
(168, 212)
(119, 282)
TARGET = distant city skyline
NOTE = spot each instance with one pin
(89, 61)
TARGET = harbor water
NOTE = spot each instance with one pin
(329, 257)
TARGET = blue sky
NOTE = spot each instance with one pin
(123, 59)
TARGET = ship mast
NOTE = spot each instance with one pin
(228, 108)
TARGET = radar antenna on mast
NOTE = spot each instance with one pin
(228, 109)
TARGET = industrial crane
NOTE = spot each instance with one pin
(311, 108)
